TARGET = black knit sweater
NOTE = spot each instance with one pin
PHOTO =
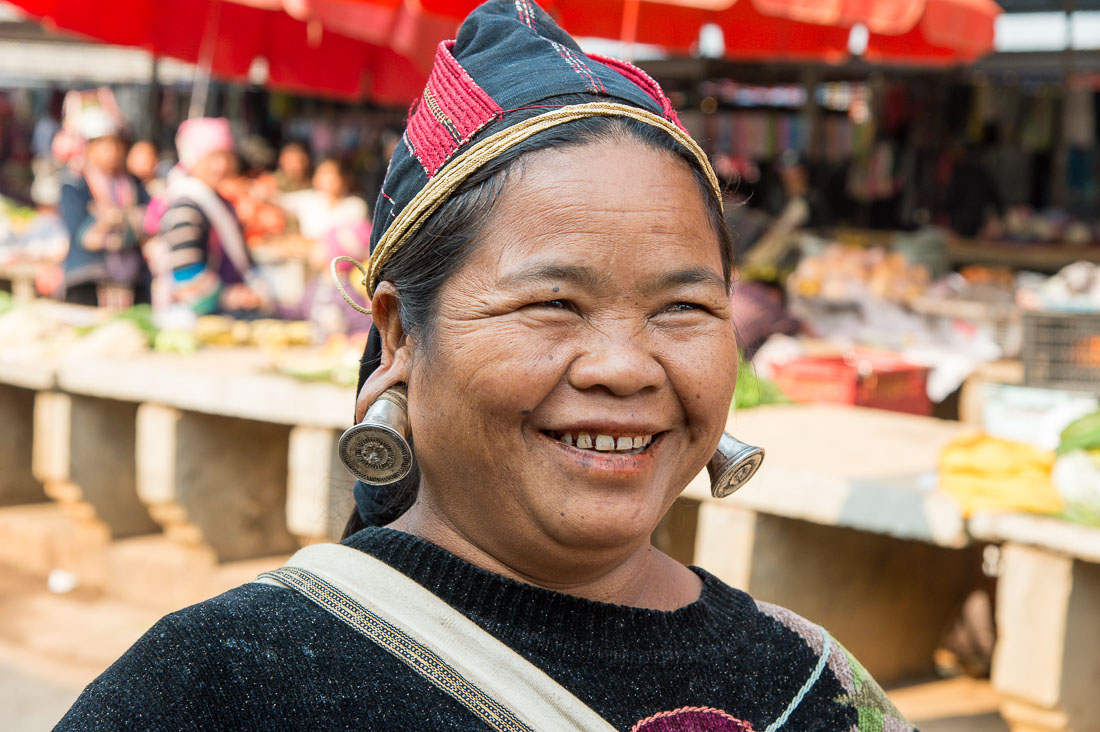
(261, 657)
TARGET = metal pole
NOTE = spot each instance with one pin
(152, 107)
(201, 90)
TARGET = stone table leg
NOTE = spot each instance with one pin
(1047, 661)
(319, 489)
(218, 487)
(83, 454)
(217, 481)
(889, 601)
(17, 482)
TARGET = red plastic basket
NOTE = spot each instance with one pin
(877, 381)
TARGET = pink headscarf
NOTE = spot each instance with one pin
(197, 138)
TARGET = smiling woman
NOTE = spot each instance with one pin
(550, 280)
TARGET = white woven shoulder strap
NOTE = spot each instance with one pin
(438, 642)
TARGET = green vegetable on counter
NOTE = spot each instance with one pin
(754, 391)
(142, 317)
(1082, 434)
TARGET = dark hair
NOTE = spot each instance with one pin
(343, 166)
(441, 246)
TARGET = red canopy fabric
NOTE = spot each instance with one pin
(302, 57)
(901, 31)
(904, 31)
(415, 28)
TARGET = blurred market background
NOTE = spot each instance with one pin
(914, 189)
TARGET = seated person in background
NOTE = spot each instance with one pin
(329, 203)
(292, 173)
(102, 207)
(329, 214)
(201, 259)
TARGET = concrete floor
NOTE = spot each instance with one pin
(47, 656)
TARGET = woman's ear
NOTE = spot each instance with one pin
(396, 355)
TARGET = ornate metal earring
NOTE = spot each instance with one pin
(733, 464)
(376, 450)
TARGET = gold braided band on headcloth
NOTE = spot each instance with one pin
(509, 57)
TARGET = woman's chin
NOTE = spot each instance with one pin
(601, 526)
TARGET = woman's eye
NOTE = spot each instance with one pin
(556, 304)
(680, 307)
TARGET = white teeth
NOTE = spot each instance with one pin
(606, 443)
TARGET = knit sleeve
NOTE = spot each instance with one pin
(860, 693)
(876, 712)
(185, 231)
(147, 689)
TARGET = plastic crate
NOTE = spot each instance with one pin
(1003, 321)
(876, 381)
(1062, 350)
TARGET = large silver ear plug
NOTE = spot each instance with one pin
(376, 450)
(733, 464)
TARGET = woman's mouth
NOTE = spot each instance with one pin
(595, 442)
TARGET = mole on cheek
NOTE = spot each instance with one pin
(525, 411)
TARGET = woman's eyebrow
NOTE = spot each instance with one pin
(577, 274)
(680, 277)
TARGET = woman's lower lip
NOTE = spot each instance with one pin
(608, 464)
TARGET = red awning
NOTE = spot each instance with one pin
(900, 31)
(301, 56)
(904, 31)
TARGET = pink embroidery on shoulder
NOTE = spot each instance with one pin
(692, 719)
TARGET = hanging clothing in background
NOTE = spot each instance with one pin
(1082, 190)
(971, 197)
(872, 176)
(1037, 133)
(1010, 169)
(1079, 117)
(724, 139)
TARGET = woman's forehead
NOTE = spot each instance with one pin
(601, 190)
(589, 211)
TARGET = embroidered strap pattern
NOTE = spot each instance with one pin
(406, 649)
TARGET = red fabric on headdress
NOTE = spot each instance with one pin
(451, 110)
(645, 82)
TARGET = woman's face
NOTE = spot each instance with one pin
(329, 180)
(594, 311)
(106, 154)
(215, 168)
(142, 161)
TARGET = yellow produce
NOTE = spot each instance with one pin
(984, 473)
(214, 330)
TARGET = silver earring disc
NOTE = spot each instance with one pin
(375, 453)
(736, 474)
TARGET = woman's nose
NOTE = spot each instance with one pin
(621, 364)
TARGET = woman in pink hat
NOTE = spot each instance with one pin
(201, 261)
